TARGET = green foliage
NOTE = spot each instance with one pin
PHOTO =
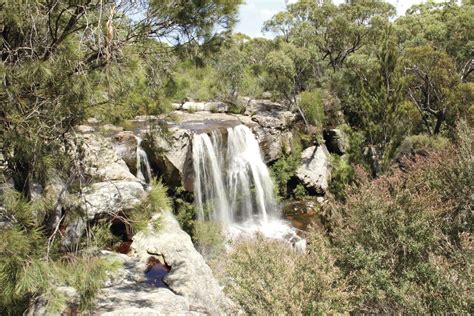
(186, 215)
(285, 168)
(29, 269)
(300, 192)
(431, 78)
(342, 174)
(268, 277)
(401, 240)
(191, 81)
(102, 237)
(208, 238)
(157, 201)
(312, 104)
(421, 143)
(88, 275)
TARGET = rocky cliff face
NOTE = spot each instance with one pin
(109, 189)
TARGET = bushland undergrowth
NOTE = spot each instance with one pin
(401, 243)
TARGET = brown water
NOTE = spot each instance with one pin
(302, 214)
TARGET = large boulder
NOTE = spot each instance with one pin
(190, 276)
(272, 127)
(315, 169)
(336, 141)
(100, 161)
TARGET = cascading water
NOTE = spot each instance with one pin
(232, 186)
(231, 182)
(143, 165)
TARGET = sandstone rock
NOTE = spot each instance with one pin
(190, 276)
(84, 129)
(336, 141)
(170, 155)
(273, 143)
(109, 128)
(267, 95)
(100, 159)
(125, 146)
(93, 121)
(204, 106)
(111, 196)
(315, 170)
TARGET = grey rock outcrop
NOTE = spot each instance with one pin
(190, 276)
(336, 141)
(272, 128)
(125, 145)
(192, 287)
(315, 169)
(112, 188)
(192, 106)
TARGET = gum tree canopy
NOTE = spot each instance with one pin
(61, 58)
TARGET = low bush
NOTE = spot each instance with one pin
(208, 238)
(268, 277)
(157, 201)
(402, 241)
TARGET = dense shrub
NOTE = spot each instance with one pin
(268, 277)
(32, 266)
(312, 104)
(401, 240)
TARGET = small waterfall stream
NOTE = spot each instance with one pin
(143, 165)
(231, 182)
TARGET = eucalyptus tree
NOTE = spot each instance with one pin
(446, 26)
(337, 31)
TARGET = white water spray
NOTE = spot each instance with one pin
(231, 182)
(233, 187)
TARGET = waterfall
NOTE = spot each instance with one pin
(231, 182)
(143, 165)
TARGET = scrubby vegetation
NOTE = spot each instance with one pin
(397, 234)
(400, 243)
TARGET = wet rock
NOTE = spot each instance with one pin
(336, 141)
(315, 169)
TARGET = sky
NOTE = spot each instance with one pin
(254, 12)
